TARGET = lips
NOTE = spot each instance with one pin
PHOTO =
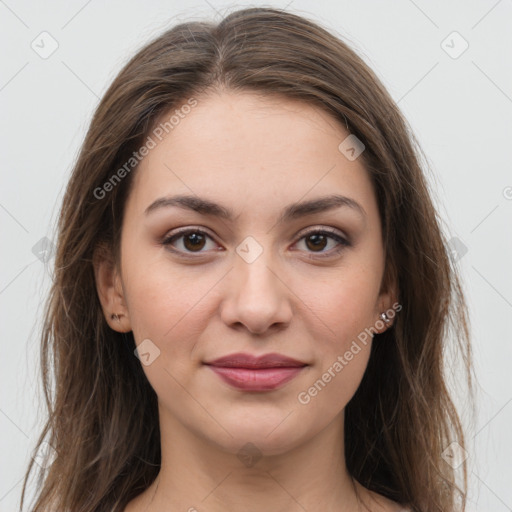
(251, 373)
(241, 360)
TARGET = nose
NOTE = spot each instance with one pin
(256, 296)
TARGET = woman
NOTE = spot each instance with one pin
(252, 292)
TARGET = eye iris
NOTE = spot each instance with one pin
(317, 237)
(196, 238)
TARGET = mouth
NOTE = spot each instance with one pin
(250, 373)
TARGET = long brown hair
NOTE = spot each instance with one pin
(102, 411)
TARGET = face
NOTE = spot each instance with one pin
(250, 268)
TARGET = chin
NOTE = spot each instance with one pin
(267, 436)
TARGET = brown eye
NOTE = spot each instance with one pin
(317, 241)
(187, 241)
(194, 241)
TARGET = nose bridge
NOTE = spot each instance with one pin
(256, 275)
(256, 298)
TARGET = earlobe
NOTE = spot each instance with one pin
(386, 311)
(120, 322)
(110, 290)
(385, 318)
(383, 322)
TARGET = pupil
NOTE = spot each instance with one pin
(316, 239)
(197, 240)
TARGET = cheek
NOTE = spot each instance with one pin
(168, 305)
(169, 310)
(340, 313)
(344, 305)
(331, 387)
(340, 327)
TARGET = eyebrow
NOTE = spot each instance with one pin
(291, 212)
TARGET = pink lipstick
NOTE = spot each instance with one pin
(251, 373)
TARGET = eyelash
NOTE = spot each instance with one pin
(343, 243)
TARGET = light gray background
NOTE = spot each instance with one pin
(460, 109)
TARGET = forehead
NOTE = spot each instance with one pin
(251, 149)
(238, 125)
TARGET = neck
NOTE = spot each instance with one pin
(197, 475)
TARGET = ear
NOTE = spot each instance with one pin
(388, 300)
(110, 290)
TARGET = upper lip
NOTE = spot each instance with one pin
(242, 360)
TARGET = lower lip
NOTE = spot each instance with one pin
(263, 379)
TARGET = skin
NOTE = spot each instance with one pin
(255, 155)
